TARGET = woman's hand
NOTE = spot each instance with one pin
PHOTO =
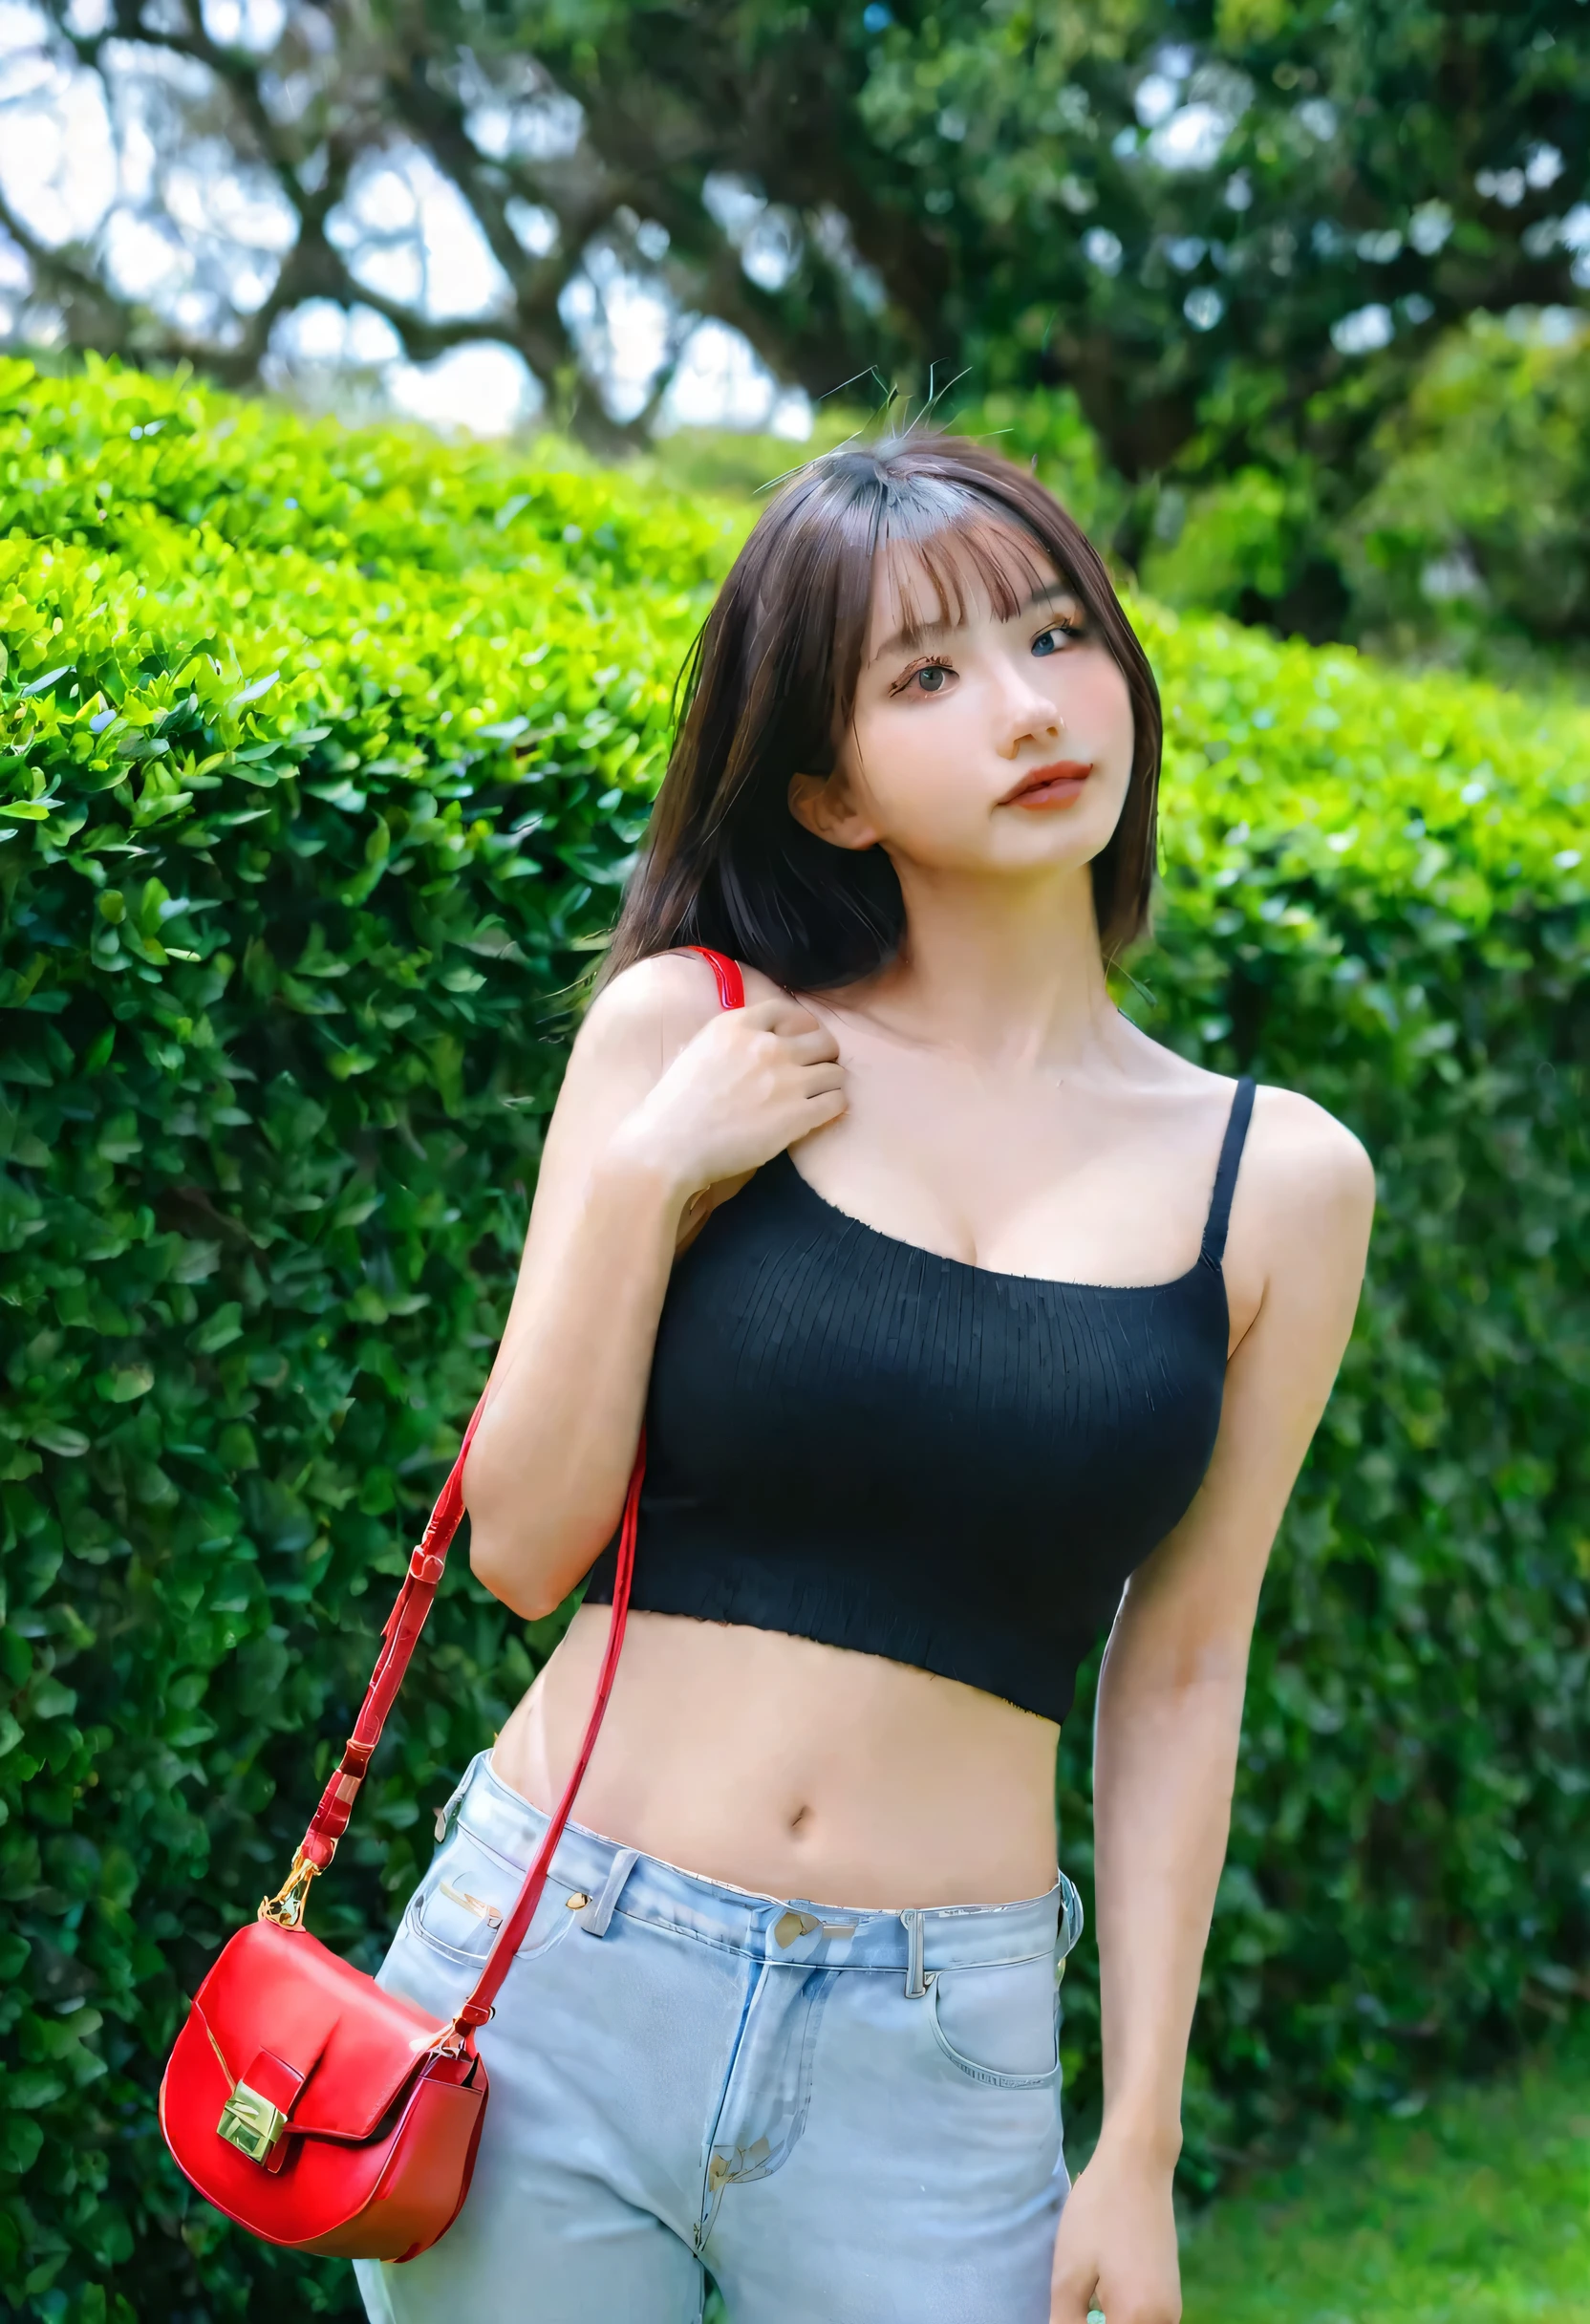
(1116, 2249)
(750, 1082)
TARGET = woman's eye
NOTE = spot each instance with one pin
(931, 679)
(1054, 640)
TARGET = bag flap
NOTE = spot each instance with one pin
(352, 2045)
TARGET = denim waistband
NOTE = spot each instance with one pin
(618, 1880)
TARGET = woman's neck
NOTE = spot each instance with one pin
(1004, 970)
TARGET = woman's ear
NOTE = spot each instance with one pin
(826, 808)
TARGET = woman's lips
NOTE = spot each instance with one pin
(1055, 786)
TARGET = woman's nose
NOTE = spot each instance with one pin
(1026, 714)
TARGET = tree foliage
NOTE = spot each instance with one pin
(1475, 530)
(1460, 542)
(315, 805)
(1196, 216)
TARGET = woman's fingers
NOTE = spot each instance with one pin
(779, 1016)
(816, 1048)
(1070, 2302)
(826, 1107)
(792, 1022)
(741, 1090)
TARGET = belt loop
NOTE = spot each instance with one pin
(598, 1913)
(917, 1980)
(1070, 1925)
(444, 1814)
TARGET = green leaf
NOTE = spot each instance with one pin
(220, 1330)
(31, 2089)
(15, 372)
(52, 1437)
(21, 2141)
(125, 1384)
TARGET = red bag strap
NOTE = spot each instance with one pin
(398, 1640)
(731, 985)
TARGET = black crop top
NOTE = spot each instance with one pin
(855, 1440)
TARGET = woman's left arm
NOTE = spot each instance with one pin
(1170, 1710)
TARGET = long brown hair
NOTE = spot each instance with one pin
(771, 685)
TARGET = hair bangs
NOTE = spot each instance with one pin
(976, 560)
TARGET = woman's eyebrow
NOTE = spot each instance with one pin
(916, 632)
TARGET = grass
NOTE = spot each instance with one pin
(1478, 2211)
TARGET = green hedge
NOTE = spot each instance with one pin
(315, 816)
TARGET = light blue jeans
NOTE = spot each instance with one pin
(846, 2116)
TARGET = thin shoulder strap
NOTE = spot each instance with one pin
(1225, 1174)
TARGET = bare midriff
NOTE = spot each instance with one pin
(793, 1768)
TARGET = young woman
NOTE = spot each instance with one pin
(967, 1324)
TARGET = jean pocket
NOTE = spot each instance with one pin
(1000, 2024)
(467, 1894)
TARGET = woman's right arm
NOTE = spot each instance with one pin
(667, 1099)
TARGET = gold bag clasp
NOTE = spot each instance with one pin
(285, 1908)
(251, 2123)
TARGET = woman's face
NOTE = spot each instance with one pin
(987, 744)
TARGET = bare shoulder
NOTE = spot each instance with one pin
(648, 1013)
(1306, 1176)
(1296, 1154)
(1304, 1152)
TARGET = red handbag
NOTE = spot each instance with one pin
(305, 2101)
